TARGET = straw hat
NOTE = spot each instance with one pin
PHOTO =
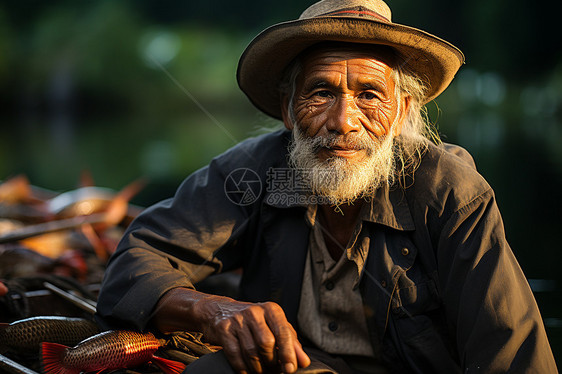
(357, 21)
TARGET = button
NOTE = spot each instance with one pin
(329, 285)
(405, 251)
(333, 326)
(383, 283)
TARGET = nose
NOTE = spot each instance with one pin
(344, 117)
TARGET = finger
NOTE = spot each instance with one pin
(264, 338)
(233, 352)
(284, 337)
(302, 358)
(250, 352)
(287, 354)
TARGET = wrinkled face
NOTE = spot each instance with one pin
(349, 93)
(346, 115)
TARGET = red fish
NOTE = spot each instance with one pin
(106, 351)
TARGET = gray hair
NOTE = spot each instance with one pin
(417, 130)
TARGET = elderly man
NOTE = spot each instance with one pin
(366, 245)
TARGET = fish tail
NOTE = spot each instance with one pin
(168, 366)
(51, 359)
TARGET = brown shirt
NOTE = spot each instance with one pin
(331, 309)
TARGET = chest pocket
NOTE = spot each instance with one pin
(415, 299)
(415, 290)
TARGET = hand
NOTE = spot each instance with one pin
(3, 289)
(254, 337)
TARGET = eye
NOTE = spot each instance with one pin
(323, 93)
(368, 95)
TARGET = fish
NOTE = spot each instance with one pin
(18, 261)
(26, 335)
(19, 200)
(90, 200)
(16, 190)
(109, 350)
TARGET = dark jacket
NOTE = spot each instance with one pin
(442, 290)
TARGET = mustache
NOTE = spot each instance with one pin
(331, 141)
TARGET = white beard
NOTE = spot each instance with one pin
(338, 179)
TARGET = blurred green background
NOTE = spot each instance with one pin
(129, 89)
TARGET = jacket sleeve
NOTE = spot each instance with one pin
(175, 243)
(489, 305)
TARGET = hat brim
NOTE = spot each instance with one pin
(262, 64)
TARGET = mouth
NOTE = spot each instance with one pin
(338, 147)
(339, 151)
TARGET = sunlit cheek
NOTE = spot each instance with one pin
(380, 120)
(309, 117)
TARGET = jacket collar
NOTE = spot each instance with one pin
(388, 207)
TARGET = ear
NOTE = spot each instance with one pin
(285, 112)
(404, 107)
